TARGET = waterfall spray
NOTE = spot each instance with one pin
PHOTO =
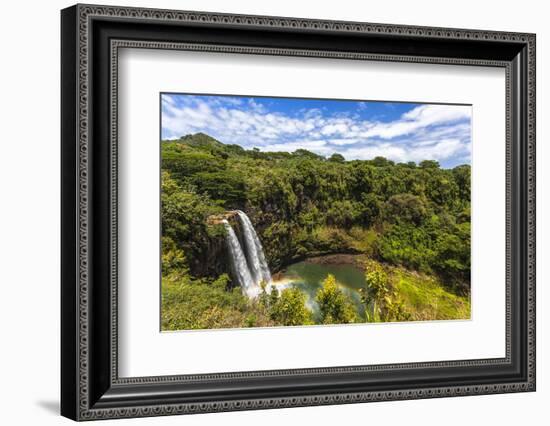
(239, 264)
(251, 269)
(254, 252)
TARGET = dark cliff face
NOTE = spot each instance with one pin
(214, 259)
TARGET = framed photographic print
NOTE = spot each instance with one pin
(263, 212)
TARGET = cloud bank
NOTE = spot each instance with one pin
(357, 130)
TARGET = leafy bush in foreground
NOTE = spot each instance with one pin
(334, 306)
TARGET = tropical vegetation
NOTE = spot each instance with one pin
(407, 223)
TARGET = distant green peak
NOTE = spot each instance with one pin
(200, 139)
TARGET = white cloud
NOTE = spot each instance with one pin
(348, 141)
(388, 150)
(439, 151)
(418, 118)
(339, 127)
(431, 114)
(438, 132)
(168, 100)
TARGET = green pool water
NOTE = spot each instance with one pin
(309, 276)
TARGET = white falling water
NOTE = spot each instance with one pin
(239, 264)
(254, 252)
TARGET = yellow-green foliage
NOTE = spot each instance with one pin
(397, 294)
(290, 308)
(334, 306)
(363, 240)
(382, 300)
(173, 259)
(189, 304)
(425, 298)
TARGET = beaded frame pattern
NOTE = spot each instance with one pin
(86, 12)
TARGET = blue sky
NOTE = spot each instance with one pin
(356, 129)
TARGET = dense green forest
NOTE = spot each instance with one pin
(407, 223)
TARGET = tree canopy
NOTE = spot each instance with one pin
(407, 215)
(302, 203)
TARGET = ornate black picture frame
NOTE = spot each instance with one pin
(91, 37)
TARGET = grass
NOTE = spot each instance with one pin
(196, 305)
(426, 298)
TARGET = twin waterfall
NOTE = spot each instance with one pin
(250, 269)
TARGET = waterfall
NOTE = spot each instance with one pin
(252, 269)
(238, 263)
(254, 252)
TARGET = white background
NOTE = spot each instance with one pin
(29, 229)
(140, 343)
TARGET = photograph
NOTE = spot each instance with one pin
(280, 211)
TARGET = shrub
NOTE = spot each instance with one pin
(334, 306)
(290, 309)
(381, 299)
